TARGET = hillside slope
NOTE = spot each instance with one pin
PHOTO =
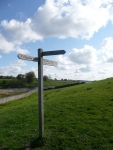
(78, 117)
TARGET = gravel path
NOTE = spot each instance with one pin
(14, 97)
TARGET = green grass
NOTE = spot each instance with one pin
(76, 118)
(49, 83)
(56, 83)
(34, 83)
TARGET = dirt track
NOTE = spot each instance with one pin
(7, 92)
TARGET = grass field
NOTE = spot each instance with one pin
(33, 84)
(76, 118)
(57, 83)
(49, 83)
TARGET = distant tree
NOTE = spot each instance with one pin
(30, 76)
(15, 83)
(6, 77)
(55, 78)
(65, 79)
(45, 78)
(4, 83)
(1, 77)
(20, 76)
(11, 77)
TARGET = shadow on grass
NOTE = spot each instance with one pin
(36, 143)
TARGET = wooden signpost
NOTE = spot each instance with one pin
(41, 62)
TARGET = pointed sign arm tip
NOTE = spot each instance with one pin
(64, 51)
(18, 56)
(56, 52)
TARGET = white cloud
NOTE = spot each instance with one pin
(87, 63)
(56, 18)
(105, 72)
(63, 60)
(64, 67)
(86, 55)
(72, 18)
(5, 46)
(47, 68)
(0, 56)
(110, 60)
(84, 69)
(87, 68)
(107, 50)
(10, 70)
(57, 76)
(107, 44)
(34, 69)
(102, 71)
(19, 63)
(19, 32)
(111, 11)
(21, 50)
(79, 60)
(14, 68)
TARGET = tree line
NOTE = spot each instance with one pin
(21, 80)
(30, 76)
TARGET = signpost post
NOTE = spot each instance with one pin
(41, 62)
(40, 94)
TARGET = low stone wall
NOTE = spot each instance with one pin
(62, 86)
(15, 97)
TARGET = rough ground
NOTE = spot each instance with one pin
(6, 92)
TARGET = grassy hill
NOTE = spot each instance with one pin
(76, 118)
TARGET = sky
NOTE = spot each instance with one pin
(83, 28)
